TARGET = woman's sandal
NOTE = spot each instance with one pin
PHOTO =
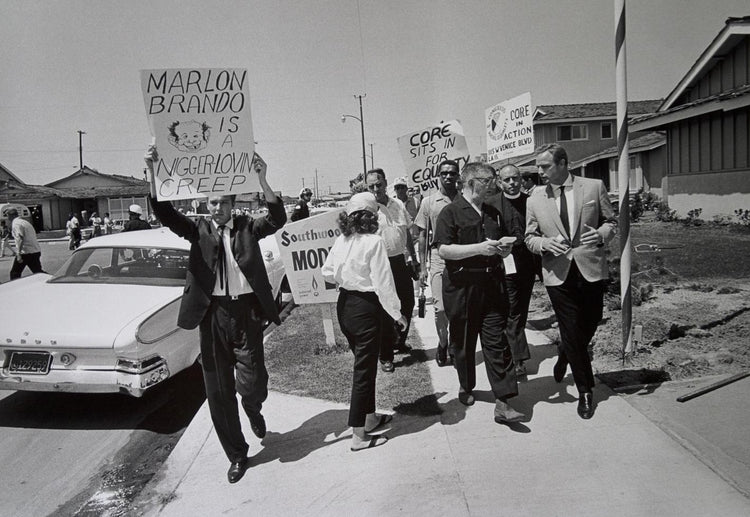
(374, 441)
(384, 419)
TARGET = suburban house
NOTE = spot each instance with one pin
(706, 118)
(588, 132)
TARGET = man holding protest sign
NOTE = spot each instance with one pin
(432, 264)
(228, 295)
(469, 238)
(393, 226)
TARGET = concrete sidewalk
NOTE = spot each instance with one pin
(460, 463)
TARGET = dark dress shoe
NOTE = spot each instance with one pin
(559, 369)
(467, 399)
(402, 349)
(586, 406)
(258, 425)
(237, 470)
(387, 366)
(441, 357)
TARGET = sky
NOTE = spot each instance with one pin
(74, 65)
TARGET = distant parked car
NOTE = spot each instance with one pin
(107, 320)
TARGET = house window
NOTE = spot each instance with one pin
(118, 206)
(572, 132)
(606, 130)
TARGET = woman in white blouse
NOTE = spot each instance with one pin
(358, 263)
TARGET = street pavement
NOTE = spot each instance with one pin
(462, 463)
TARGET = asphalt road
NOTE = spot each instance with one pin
(54, 255)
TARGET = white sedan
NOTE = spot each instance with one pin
(107, 320)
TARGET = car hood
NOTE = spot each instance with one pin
(64, 315)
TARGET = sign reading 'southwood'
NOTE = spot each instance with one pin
(304, 247)
(423, 150)
(510, 128)
(201, 122)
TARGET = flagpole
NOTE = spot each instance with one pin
(623, 177)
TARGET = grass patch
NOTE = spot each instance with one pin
(300, 363)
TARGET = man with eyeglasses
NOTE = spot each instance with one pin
(469, 237)
(393, 226)
(432, 265)
(511, 203)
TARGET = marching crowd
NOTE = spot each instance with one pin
(483, 239)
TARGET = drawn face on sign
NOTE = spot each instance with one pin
(189, 136)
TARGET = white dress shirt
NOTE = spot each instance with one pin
(359, 262)
(569, 197)
(236, 279)
(393, 223)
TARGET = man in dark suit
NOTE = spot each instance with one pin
(511, 203)
(228, 295)
(568, 222)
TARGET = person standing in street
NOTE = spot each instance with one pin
(469, 238)
(228, 296)
(96, 223)
(511, 203)
(432, 265)
(393, 226)
(73, 228)
(108, 224)
(301, 209)
(5, 239)
(28, 252)
(569, 221)
(134, 222)
(358, 263)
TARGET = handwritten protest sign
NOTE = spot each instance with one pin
(510, 128)
(304, 247)
(423, 150)
(201, 122)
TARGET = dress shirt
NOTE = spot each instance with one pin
(236, 279)
(25, 236)
(568, 184)
(359, 263)
(429, 211)
(393, 223)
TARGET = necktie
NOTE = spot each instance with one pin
(564, 211)
(222, 263)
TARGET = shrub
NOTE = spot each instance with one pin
(743, 216)
(636, 206)
(722, 220)
(693, 217)
(664, 213)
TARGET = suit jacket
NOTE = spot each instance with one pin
(204, 250)
(591, 207)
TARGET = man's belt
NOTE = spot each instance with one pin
(488, 269)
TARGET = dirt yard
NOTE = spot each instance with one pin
(693, 301)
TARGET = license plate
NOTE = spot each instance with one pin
(30, 362)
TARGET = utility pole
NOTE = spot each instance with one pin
(316, 185)
(372, 158)
(362, 129)
(80, 148)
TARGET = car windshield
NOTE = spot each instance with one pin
(124, 265)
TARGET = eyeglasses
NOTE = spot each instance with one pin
(450, 172)
(485, 181)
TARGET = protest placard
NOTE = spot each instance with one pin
(423, 150)
(510, 128)
(304, 247)
(202, 127)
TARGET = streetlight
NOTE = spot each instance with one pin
(362, 130)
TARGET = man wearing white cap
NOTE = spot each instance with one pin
(135, 222)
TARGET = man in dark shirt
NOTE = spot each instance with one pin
(468, 237)
(135, 222)
(511, 203)
(301, 210)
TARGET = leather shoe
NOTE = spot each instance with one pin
(387, 366)
(559, 369)
(441, 357)
(467, 399)
(402, 349)
(586, 405)
(237, 470)
(258, 425)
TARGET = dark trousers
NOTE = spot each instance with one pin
(520, 285)
(361, 319)
(394, 337)
(485, 318)
(31, 260)
(231, 336)
(578, 307)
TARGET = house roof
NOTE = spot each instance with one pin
(643, 143)
(13, 191)
(86, 171)
(12, 176)
(547, 114)
(735, 29)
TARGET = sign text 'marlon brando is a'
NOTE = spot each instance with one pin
(202, 126)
